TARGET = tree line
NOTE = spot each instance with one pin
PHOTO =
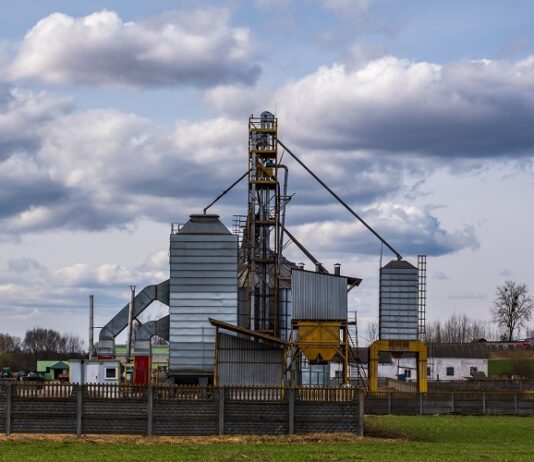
(46, 344)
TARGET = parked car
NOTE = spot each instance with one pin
(33, 377)
(528, 342)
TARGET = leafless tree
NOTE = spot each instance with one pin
(9, 343)
(48, 343)
(458, 328)
(73, 344)
(512, 307)
(43, 342)
(372, 331)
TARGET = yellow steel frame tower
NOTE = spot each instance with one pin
(263, 224)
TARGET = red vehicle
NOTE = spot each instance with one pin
(528, 342)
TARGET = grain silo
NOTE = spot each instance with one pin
(203, 284)
(398, 309)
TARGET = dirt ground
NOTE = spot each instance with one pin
(136, 439)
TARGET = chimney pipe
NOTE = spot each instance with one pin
(130, 324)
(337, 269)
(300, 266)
(318, 267)
(91, 326)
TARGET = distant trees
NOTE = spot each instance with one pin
(512, 307)
(9, 343)
(38, 343)
(458, 328)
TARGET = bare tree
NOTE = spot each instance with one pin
(43, 342)
(9, 343)
(458, 328)
(372, 331)
(73, 344)
(512, 307)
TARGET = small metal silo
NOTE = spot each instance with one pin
(398, 309)
(203, 284)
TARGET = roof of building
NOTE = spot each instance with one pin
(399, 264)
(59, 366)
(204, 224)
(458, 350)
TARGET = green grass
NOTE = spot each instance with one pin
(510, 366)
(431, 438)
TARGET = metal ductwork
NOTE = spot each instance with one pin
(148, 330)
(106, 343)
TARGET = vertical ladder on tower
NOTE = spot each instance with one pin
(421, 266)
(357, 371)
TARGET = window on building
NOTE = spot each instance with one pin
(111, 373)
(473, 370)
(408, 373)
(450, 371)
(428, 373)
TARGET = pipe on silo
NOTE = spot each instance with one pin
(318, 266)
(130, 324)
(337, 269)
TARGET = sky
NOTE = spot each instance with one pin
(120, 118)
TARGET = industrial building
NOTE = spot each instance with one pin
(240, 313)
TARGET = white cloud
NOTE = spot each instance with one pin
(409, 229)
(196, 47)
(237, 100)
(467, 109)
(22, 114)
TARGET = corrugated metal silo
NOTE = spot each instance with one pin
(203, 284)
(398, 311)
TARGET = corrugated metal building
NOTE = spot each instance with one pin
(242, 361)
(203, 284)
(318, 296)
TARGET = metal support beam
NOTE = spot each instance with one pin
(305, 251)
(341, 201)
(227, 190)
(399, 346)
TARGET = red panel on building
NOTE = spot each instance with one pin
(142, 370)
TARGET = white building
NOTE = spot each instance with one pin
(446, 362)
(94, 371)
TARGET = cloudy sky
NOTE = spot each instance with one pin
(118, 118)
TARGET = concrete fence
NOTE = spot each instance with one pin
(464, 403)
(175, 410)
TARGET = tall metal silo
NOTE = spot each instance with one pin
(203, 285)
(398, 309)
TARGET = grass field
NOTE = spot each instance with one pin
(391, 438)
(521, 366)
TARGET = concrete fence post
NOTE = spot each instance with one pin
(452, 403)
(291, 410)
(516, 410)
(9, 393)
(420, 403)
(361, 412)
(79, 409)
(221, 411)
(484, 403)
(150, 411)
(389, 402)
